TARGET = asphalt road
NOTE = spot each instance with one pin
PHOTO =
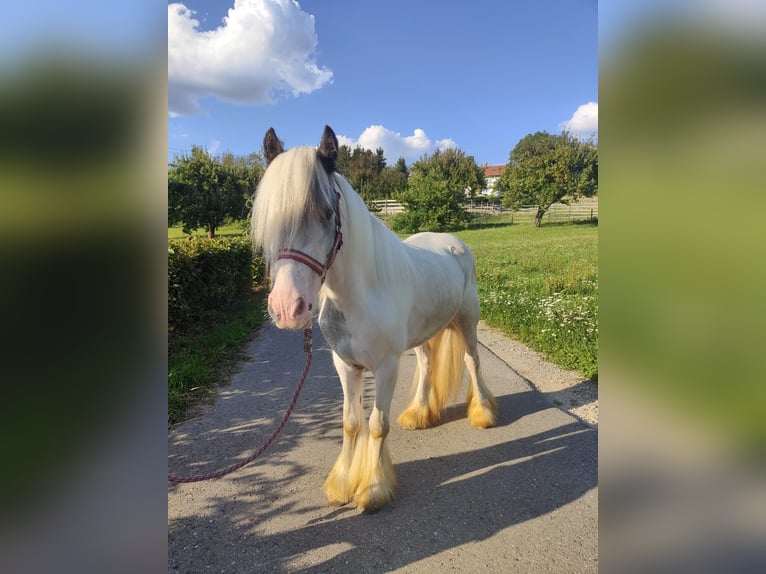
(521, 497)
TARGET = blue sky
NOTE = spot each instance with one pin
(406, 75)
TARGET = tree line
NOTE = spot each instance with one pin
(206, 191)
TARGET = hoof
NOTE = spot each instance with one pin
(482, 415)
(337, 489)
(374, 497)
(418, 418)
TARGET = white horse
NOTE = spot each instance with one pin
(377, 297)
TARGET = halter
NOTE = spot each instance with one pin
(316, 266)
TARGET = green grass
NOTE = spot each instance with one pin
(234, 229)
(540, 286)
(201, 357)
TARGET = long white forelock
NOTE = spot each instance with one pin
(285, 198)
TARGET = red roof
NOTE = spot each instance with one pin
(494, 170)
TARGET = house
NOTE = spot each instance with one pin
(491, 174)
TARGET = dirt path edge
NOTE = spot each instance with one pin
(568, 390)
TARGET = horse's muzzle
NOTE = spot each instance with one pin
(295, 315)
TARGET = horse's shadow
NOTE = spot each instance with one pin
(443, 502)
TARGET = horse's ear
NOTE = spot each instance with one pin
(328, 150)
(272, 147)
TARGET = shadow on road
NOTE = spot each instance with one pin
(444, 501)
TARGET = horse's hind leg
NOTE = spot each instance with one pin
(482, 407)
(419, 414)
(343, 480)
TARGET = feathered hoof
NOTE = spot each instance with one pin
(374, 496)
(482, 415)
(418, 418)
(377, 486)
(337, 488)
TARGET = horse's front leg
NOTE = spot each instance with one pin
(377, 484)
(343, 480)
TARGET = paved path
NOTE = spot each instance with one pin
(521, 497)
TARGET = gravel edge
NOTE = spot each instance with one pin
(567, 390)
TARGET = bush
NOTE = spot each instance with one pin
(407, 222)
(207, 276)
(429, 218)
(431, 205)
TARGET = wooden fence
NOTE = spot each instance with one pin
(585, 210)
(386, 206)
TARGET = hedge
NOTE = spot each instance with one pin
(206, 276)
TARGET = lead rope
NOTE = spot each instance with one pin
(269, 441)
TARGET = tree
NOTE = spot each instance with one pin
(246, 171)
(436, 191)
(362, 168)
(204, 191)
(401, 167)
(390, 183)
(544, 169)
(368, 174)
(460, 171)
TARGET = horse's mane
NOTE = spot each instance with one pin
(296, 190)
(376, 250)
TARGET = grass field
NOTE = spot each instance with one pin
(232, 229)
(537, 285)
(540, 286)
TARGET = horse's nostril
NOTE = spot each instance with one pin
(311, 306)
(300, 306)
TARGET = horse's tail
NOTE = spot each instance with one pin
(447, 351)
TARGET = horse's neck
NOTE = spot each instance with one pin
(367, 244)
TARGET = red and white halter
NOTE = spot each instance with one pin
(317, 266)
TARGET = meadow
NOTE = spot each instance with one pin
(537, 285)
(540, 286)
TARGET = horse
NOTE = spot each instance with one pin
(377, 297)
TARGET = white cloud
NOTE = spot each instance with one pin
(263, 48)
(411, 148)
(214, 146)
(584, 122)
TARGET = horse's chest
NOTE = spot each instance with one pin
(335, 330)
